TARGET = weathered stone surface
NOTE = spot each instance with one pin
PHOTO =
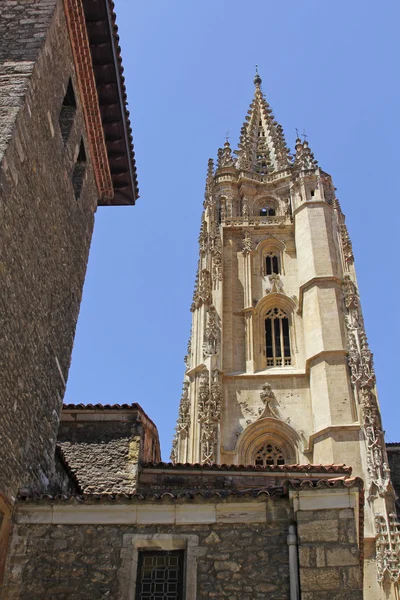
(45, 237)
(84, 561)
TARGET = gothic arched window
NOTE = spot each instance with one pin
(272, 263)
(277, 339)
(269, 454)
(267, 211)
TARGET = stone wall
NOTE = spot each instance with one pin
(45, 234)
(236, 544)
(329, 555)
(239, 561)
(23, 30)
(103, 448)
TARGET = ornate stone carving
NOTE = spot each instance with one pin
(387, 547)
(203, 237)
(225, 157)
(346, 243)
(245, 208)
(270, 402)
(195, 301)
(275, 283)
(209, 191)
(202, 293)
(209, 411)
(216, 253)
(246, 244)
(188, 357)
(360, 361)
(183, 422)
(212, 333)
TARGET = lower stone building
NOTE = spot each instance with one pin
(120, 524)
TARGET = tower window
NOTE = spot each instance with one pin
(67, 113)
(266, 211)
(78, 173)
(269, 454)
(312, 192)
(160, 575)
(272, 264)
(277, 338)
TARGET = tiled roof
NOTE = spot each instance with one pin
(193, 495)
(339, 469)
(105, 50)
(134, 406)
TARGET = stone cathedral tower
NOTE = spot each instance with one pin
(278, 369)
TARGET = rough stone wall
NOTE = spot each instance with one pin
(239, 562)
(45, 234)
(23, 29)
(329, 555)
(103, 455)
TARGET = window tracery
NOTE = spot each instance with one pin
(277, 338)
(269, 454)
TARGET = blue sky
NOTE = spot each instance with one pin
(329, 68)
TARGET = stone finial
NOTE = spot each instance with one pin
(226, 159)
(304, 159)
(257, 79)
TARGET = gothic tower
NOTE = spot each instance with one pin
(278, 369)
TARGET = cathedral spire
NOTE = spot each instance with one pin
(262, 147)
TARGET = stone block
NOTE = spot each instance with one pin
(316, 531)
(319, 579)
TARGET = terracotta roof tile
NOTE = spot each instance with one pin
(208, 494)
(268, 468)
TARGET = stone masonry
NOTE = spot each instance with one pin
(45, 243)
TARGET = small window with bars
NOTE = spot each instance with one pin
(269, 454)
(277, 338)
(272, 264)
(160, 575)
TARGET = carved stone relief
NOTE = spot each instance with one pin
(209, 412)
(276, 285)
(212, 333)
(360, 361)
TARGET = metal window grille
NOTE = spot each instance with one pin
(160, 575)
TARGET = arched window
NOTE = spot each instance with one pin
(267, 211)
(269, 454)
(277, 339)
(272, 263)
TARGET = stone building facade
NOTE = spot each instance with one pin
(65, 148)
(242, 532)
(278, 368)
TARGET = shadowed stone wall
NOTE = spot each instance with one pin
(45, 234)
